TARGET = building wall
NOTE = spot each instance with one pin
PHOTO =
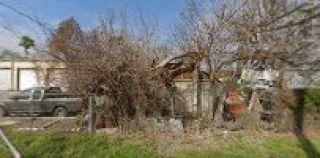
(189, 91)
(253, 76)
(301, 79)
(5, 79)
(13, 73)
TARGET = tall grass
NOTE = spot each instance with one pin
(4, 151)
(275, 147)
(65, 145)
(81, 145)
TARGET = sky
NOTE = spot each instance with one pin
(87, 12)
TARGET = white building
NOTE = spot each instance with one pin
(19, 74)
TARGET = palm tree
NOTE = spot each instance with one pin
(26, 42)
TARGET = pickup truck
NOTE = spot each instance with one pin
(40, 101)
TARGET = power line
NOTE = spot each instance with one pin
(45, 27)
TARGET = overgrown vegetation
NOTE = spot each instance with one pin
(116, 62)
(117, 66)
(312, 100)
(275, 147)
(112, 64)
(123, 71)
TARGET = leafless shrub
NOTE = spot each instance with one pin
(113, 64)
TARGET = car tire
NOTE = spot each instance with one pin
(2, 112)
(60, 112)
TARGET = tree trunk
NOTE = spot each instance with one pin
(254, 110)
(26, 52)
(139, 118)
(284, 121)
(213, 101)
(218, 117)
(198, 91)
(212, 90)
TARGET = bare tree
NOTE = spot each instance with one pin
(113, 64)
(231, 33)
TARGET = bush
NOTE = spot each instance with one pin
(312, 100)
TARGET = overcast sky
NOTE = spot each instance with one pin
(87, 13)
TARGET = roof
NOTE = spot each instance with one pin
(7, 55)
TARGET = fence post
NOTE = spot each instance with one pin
(91, 115)
(172, 103)
(31, 109)
(12, 149)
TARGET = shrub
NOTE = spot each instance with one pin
(312, 100)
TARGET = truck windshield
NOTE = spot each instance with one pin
(25, 94)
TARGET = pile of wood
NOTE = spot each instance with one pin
(236, 104)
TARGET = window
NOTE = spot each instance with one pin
(37, 95)
(28, 78)
(25, 94)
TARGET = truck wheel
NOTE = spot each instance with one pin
(2, 112)
(60, 112)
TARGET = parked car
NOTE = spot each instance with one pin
(41, 101)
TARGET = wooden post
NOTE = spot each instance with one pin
(12, 77)
(90, 121)
(218, 119)
(253, 100)
(172, 103)
(213, 96)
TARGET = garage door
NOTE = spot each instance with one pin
(28, 79)
(5, 79)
